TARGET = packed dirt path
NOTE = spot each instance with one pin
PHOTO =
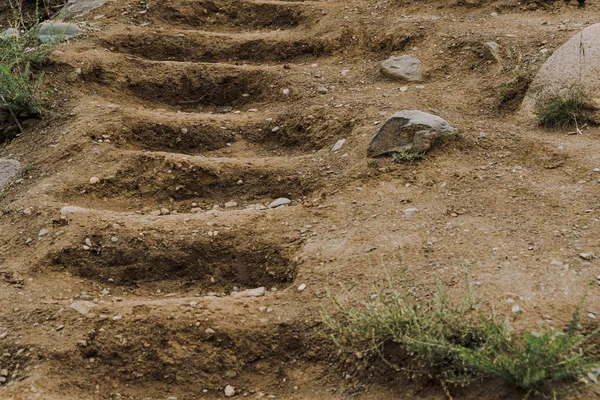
(139, 221)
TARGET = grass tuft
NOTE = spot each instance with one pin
(573, 110)
(455, 343)
(20, 80)
(405, 156)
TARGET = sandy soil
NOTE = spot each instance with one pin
(166, 110)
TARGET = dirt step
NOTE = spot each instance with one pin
(256, 132)
(226, 15)
(199, 264)
(178, 85)
(186, 45)
(154, 179)
(189, 254)
(191, 351)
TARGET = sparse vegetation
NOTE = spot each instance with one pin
(512, 92)
(20, 80)
(572, 110)
(400, 156)
(456, 343)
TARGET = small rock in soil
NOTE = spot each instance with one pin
(51, 31)
(8, 169)
(516, 309)
(491, 51)
(10, 33)
(43, 232)
(302, 287)
(587, 256)
(230, 204)
(94, 180)
(404, 68)
(408, 131)
(251, 292)
(82, 307)
(76, 8)
(229, 391)
(282, 201)
(338, 145)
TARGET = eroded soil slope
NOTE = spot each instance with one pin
(142, 203)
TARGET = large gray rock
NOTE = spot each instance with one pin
(51, 31)
(8, 169)
(408, 131)
(404, 68)
(574, 66)
(77, 8)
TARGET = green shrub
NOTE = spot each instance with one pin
(20, 79)
(573, 110)
(456, 342)
(539, 363)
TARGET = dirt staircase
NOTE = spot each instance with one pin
(192, 114)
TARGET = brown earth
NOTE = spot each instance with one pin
(179, 105)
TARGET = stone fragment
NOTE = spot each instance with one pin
(403, 68)
(282, 201)
(491, 52)
(229, 391)
(52, 31)
(408, 131)
(82, 306)
(8, 170)
(77, 8)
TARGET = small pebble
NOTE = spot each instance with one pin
(302, 287)
(229, 391)
(591, 315)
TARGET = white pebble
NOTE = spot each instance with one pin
(229, 391)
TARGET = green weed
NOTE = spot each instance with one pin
(20, 81)
(573, 110)
(456, 343)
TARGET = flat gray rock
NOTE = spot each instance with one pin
(403, 68)
(51, 31)
(82, 306)
(408, 131)
(491, 51)
(77, 8)
(574, 66)
(282, 201)
(10, 33)
(8, 169)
